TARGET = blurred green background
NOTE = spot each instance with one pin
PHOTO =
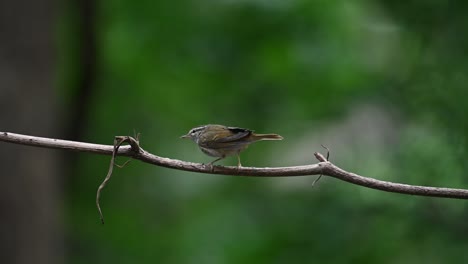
(381, 83)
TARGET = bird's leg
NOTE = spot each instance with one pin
(238, 161)
(218, 159)
(210, 165)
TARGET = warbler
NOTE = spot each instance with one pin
(222, 141)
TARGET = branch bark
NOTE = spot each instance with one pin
(323, 167)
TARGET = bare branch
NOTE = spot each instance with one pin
(323, 167)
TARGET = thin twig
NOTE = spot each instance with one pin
(320, 176)
(328, 151)
(316, 180)
(117, 143)
(124, 164)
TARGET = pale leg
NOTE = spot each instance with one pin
(218, 159)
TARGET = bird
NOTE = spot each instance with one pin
(221, 141)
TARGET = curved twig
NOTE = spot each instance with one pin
(117, 143)
(323, 167)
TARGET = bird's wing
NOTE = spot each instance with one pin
(229, 139)
(236, 134)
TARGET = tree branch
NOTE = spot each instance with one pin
(324, 167)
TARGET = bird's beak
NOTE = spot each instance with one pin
(185, 136)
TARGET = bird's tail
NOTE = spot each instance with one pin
(267, 137)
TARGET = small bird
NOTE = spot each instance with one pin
(221, 141)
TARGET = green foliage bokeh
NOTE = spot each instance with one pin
(382, 83)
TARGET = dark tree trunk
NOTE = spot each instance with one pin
(29, 190)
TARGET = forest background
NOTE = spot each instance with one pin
(381, 83)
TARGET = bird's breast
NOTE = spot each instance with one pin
(222, 152)
(212, 152)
